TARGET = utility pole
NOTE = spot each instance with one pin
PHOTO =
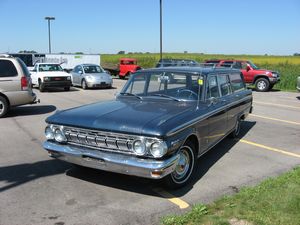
(49, 18)
(160, 29)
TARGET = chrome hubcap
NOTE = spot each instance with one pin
(183, 165)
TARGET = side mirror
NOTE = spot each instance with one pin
(80, 72)
(212, 101)
(248, 68)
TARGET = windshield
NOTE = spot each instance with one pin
(172, 86)
(50, 67)
(93, 69)
(253, 65)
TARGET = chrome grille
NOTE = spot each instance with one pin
(100, 140)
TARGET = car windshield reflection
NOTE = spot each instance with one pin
(166, 85)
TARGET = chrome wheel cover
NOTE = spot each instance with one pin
(184, 166)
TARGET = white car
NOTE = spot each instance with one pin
(47, 75)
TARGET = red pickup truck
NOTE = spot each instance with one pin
(264, 80)
(128, 66)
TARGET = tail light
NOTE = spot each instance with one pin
(24, 84)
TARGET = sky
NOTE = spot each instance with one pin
(107, 26)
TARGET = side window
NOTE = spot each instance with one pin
(7, 69)
(213, 89)
(237, 82)
(244, 65)
(225, 86)
(80, 69)
(76, 69)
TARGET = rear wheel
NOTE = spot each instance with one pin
(262, 84)
(84, 85)
(184, 168)
(3, 106)
(236, 130)
(67, 88)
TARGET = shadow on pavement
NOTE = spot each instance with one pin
(15, 175)
(31, 110)
(146, 186)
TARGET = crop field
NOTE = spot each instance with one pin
(287, 66)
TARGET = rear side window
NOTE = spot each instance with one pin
(7, 69)
(213, 89)
(24, 68)
(237, 82)
(225, 86)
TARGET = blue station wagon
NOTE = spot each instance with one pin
(158, 125)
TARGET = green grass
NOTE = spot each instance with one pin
(275, 201)
(287, 66)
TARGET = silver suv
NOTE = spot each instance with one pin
(15, 84)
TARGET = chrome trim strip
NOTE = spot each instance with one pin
(205, 116)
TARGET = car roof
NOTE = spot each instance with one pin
(87, 64)
(128, 59)
(187, 69)
(221, 60)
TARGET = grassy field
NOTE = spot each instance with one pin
(274, 201)
(287, 66)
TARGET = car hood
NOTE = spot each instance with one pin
(148, 118)
(55, 74)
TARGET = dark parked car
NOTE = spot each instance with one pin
(176, 62)
(159, 124)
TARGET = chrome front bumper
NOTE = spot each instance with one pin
(114, 162)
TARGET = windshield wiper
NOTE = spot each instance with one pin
(166, 96)
(130, 94)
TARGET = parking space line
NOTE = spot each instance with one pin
(275, 119)
(177, 201)
(270, 148)
(280, 105)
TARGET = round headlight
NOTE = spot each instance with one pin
(139, 147)
(158, 149)
(59, 136)
(49, 133)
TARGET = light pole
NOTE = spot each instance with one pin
(49, 18)
(160, 29)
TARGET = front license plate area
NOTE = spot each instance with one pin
(92, 159)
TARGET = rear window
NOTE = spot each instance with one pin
(237, 82)
(24, 68)
(7, 69)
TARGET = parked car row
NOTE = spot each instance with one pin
(47, 75)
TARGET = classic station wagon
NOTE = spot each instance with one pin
(158, 125)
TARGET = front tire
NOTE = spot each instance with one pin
(3, 106)
(262, 84)
(84, 85)
(184, 169)
(41, 86)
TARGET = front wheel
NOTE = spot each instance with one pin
(3, 106)
(262, 84)
(67, 88)
(84, 85)
(41, 86)
(184, 168)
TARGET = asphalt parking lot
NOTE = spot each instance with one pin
(35, 189)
